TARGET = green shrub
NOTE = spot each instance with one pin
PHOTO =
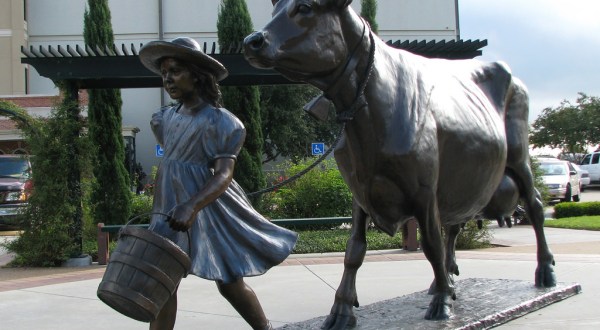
(334, 240)
(471, 237)
(572, 209)
(90, 247)
(321, 192)
(141, 204)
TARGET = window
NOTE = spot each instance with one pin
(586, 159)
(595, 158)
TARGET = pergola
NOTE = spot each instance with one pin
(119, 66)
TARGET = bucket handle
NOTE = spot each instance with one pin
(158, 213)
(146, 214)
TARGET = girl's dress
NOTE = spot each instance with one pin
(229, 239)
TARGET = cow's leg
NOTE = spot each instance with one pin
(518, 162)
(427, 215)
(341, 314)
(544, 274)
(452, 232)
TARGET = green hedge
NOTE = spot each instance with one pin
(572, 209)
(319, 193)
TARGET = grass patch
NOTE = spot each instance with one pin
(334, 240)
(591, 222)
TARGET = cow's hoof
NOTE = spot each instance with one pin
(440, 307)
(545, 276)
(339, 322)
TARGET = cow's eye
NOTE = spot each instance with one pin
(304, 8)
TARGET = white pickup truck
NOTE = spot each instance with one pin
(591, 163)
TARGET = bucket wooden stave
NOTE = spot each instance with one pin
(142, 273)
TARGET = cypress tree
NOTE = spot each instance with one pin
(368, 10)
(110, 197)
(233, 24)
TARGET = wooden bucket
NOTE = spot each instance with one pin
(142, 273)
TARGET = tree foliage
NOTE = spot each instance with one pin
(20, 116)
(233, 24)
(288, 130)
(49, 229)
(368, 11)
(110, 197)
(569, 127)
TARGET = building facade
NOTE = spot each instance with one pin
(40, 23)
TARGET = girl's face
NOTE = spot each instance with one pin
(178, 81)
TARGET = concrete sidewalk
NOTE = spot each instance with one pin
(303, 287)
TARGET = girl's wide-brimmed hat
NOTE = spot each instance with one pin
(182, 48)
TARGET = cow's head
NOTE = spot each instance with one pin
(304, 38)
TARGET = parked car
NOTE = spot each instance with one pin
(15, 186)
(584, 177)
(561, 179)
(591, 163)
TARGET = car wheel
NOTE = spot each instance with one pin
(567, 194)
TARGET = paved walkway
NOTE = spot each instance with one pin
(304, 285)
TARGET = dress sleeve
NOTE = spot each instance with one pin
(156, 124)
(226, 136)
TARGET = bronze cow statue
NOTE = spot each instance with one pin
(437, 140)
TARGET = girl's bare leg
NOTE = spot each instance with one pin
(166, 317)
(245, 302)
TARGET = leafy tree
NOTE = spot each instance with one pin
(368, 11)
(569, 127)
(110, 196)
(288, 131)
(50, 235)
(590, 108)
(233, 24)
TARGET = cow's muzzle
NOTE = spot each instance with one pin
(254, 42)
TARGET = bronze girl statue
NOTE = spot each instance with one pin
(228, 240)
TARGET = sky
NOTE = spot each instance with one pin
(553, 46)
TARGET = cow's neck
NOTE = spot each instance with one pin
(346, 86)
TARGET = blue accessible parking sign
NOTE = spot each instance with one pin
(159, 151)
(318, 148)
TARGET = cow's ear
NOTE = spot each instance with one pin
(342, 3)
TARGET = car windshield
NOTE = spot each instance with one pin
(13, 168)
(553, 169)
